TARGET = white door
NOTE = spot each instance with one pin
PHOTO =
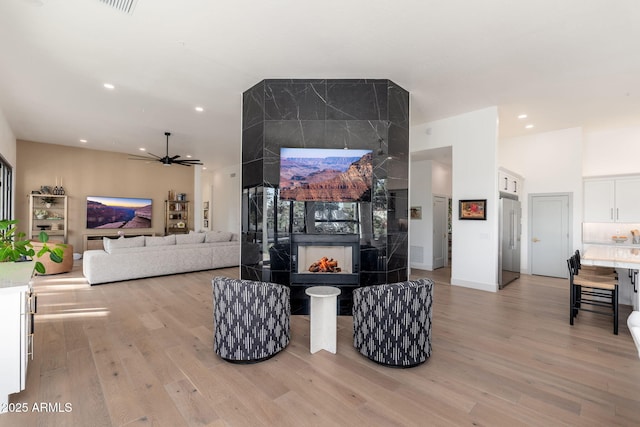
(440, 237)
(549, 241)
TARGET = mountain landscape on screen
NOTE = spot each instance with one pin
(114, 212)
(327, 175)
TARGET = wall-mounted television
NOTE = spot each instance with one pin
(325, 175)
(118, 212)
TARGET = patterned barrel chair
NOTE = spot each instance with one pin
(250, 319)
(392, 322)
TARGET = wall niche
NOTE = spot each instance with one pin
(354, 114)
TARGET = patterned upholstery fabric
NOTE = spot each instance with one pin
(250, 319)
(392, 323)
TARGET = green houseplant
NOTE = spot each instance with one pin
(14, 246)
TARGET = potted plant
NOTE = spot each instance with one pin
(14, 247)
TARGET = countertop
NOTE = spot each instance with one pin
(615, 255)
(15, 275)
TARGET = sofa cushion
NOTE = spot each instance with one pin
(122, 242)
(160, 240)
(182, 239)
(217, 236)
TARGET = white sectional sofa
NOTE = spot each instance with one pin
(146, 256)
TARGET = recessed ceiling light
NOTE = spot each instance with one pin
(142, 149)
(522, 116)
(204, 168)
(199, 109)
(84, 141)
(109, 86)
(189, 156)
(528, 127)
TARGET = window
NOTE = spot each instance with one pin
(6, 190)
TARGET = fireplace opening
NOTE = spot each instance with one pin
(342, 254)
(320, 259)
(325, 265)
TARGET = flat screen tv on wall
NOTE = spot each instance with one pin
(118, 212)
(325, 175)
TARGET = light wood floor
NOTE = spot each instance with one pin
(140, 353)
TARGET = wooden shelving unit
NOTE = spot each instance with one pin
(48, 212)
(176, 218)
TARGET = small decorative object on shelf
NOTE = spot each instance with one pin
(58, 190)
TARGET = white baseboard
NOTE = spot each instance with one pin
(422, 266)
(488, 287)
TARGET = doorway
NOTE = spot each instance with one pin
(440, 234)
(549, 245)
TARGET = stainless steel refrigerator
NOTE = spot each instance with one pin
(510, 214)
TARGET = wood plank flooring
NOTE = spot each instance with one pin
(140, 353)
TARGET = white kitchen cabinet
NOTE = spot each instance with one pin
(628, 200)
(599, 200)
(509, 182)
(17, 307)
(612, 199)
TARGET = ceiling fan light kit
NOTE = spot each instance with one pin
(166, 160)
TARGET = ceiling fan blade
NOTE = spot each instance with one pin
(188, 162)
(166, 160)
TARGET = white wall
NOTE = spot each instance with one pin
(8, 149)
(474, 141)
(225, 208)
(550, 162)
(206, 191)
(7, 141)
(611, 152)
(441, 179)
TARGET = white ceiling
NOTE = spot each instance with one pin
(564, 62)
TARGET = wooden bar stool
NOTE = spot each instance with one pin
(594, 270)
(592, 290)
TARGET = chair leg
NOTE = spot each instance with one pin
(615, 310)
(572, 302)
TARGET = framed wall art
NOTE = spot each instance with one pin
(416, 212)
(472, 209)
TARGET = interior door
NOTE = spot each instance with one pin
(440, 236)
(549, 242)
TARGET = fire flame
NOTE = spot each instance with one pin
(325, 265)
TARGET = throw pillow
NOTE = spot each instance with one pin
(218, 236)
(183, 239)
(122, 242)
(160, 241)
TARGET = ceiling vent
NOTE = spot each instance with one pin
(126, 6)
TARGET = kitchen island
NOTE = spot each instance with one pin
(620, 257)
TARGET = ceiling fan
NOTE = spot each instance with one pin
(166, 160)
